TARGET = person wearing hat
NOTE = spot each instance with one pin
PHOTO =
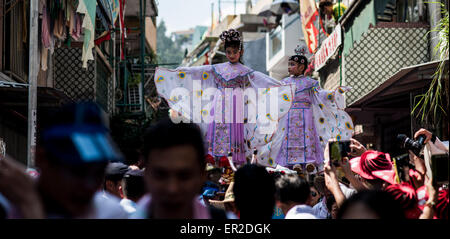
(406, 195)
(213, 176)
(132, 189)
(227, 203)
(72, 152)
(113, 178)
(375, 169)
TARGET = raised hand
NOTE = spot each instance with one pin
(20, 189)
(357, 149)
(425, 132)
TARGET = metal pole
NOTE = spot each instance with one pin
(434, 13)
(32, 81)
(220, 11)
(212, 17)
(340, 48)
(113, 65)
(142, 12)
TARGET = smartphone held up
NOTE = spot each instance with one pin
(338, 150)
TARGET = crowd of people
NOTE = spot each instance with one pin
(223, 169)
(81, 174)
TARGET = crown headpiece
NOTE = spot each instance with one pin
(300, 50)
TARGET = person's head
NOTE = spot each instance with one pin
(174, 164)
(332, 206)
(291, 190)
(326, 7)
(286, 8)
(133, 186)
(113, 178)
(406, 195)
(298, 63)
(134, 157)
(213, 174)
(374, 168)
(228, 202)
(73, 150)
(233, 45)
(319, 184)
(371, 204)
(254, 190)
(315, 195)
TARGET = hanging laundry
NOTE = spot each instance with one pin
(88, 8)
(106, 36)
(76, 33)
(103, 18)
(105, 8)
(44, 59)
(74, 20)
(59, 30)
(115, 10)
(46, 37)
(122, 28)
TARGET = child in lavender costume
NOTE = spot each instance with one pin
(223, 137)
(316, 116)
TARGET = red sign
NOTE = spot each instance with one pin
(311, 34)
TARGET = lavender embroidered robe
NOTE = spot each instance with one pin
(224, 117)
(315, 117)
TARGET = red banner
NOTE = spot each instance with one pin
(311, 33)
(309, 14)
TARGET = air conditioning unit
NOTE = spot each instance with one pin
(135, 98)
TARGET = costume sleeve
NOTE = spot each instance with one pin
(330, 119)
(180, 87)
(264, 134)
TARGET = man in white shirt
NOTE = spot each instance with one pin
(293, 194)
(132, 190)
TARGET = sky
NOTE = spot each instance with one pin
(184, 14)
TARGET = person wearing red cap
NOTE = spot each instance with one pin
(405, 194)
(375, 169)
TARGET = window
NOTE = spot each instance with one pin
(275, 42)
(263, 29)
(410, 11)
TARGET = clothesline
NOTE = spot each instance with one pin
(64, 20)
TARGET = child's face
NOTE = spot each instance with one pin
(295, 69)
(329, 10)
(233, 54)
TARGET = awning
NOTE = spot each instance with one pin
(18, 97)
(391, 93)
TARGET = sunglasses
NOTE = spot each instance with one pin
(313, 193)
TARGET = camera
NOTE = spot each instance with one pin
(409, 144)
